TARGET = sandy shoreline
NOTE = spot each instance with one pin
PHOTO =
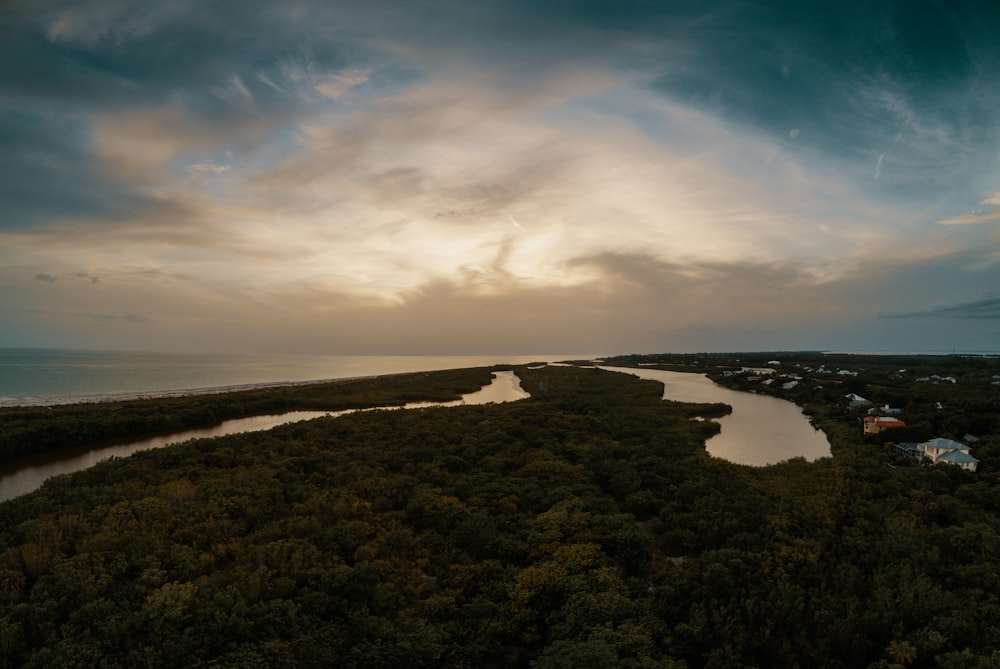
(162, 394)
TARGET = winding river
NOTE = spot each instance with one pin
(22, 475)
(761, 430)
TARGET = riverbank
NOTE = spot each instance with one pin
(759, 431)
(39, 429)
(19, 476)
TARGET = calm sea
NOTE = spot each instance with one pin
(49, 376)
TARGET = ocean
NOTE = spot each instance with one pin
(53, 376)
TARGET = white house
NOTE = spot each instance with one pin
(857, 400)
(949, 452)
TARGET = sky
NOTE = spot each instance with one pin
(499, 176)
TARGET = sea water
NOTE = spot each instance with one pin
(55, 376)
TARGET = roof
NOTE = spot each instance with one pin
(908, 446)
(885, 421)
(946, 444)
(957, 456)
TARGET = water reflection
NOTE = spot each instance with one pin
(505, 387)
(22, 475)
(761, 430)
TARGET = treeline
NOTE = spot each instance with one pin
(584, 527)
(26, 430)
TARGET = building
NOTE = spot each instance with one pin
(886, 410)
(854, 400)
(949, 452)
(875, 424)
(909, 449)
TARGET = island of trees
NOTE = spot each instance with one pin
(583, 527)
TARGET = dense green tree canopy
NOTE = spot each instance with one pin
(585, 526)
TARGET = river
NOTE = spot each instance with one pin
(22, 475)
(761, 430)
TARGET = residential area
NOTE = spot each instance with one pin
(936, 410)
(918, 410)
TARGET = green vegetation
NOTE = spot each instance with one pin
(585, 526)
(26, 430)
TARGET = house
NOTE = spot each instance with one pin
(886, 409)
(875, 424)
(949, 452)
(936, 379)
(857, 400)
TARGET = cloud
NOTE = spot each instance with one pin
(990, 215)
(141, 142)
(646, 172)
(90, 23)
(235, 93)
(88, 277)
(603, 302)
(129, 317)
(372, 204)
(336, 86)
(985, 309)
(48, 278)
(613, 305)
(47, 173)
(860, 86)
(208, 167)
(973, 218)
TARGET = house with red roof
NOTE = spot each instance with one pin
(875, 424)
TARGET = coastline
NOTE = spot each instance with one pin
(33, 377)
(62, 400)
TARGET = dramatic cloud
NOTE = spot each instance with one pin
(510, 176)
